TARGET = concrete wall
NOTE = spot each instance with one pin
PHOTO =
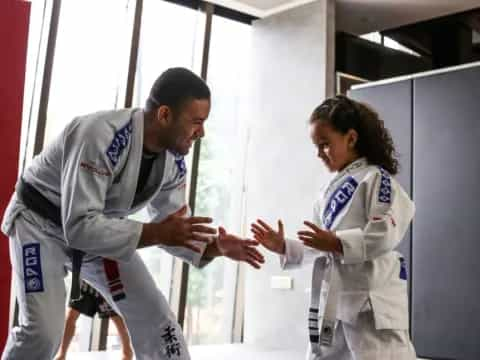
(292, 73)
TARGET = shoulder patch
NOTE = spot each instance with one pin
(119, 143)
(385, 192)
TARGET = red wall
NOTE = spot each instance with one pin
(14, 17)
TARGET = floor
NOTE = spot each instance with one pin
(222, 352)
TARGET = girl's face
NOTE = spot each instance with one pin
(337, 150)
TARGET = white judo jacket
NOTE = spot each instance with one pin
(370, 214)
(91, 170)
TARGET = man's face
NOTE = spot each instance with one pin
(187, 125)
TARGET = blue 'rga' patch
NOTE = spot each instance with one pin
(32, 268)
(119, 143)
(403, 269)
(338, 200)
(385, 193)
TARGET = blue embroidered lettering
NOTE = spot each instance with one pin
(341, 197)
(32, 268)
(181, 167)
(333, 205)
(350, 188)
(30, 272)
(119, 143)
(384, 194)
(338, 200)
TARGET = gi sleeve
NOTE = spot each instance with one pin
(170, 199)
(389, 213)
(87, 175)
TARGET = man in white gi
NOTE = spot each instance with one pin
(73, 201)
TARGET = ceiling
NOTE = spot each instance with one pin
(261, 8)
(362, 16)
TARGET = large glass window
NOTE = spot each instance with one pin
(171, 36)
(89, 74)
(386, 41)
(211, 291)
(40, 16)
(393, 44)
(375, 37)
(91, 60)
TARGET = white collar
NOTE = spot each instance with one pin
(359, 163)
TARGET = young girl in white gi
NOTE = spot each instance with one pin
(359, 300)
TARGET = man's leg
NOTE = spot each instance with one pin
(38, 268)
(132, 292)
(127, 350)
(68, 333)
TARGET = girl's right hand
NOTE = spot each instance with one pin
(271, 239)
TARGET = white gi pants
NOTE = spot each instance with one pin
(154, 331)
(363, 342)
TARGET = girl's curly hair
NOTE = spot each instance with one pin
(374, 140)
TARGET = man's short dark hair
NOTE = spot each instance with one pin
(174, 87)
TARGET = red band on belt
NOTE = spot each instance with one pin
(113, 279)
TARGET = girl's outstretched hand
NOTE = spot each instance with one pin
(320, 239)
(271, 239)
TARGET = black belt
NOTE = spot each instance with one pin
(40, 205)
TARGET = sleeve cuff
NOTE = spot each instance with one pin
(134, 241)
(199, 260)
(293, 257)
(189, 256)
(353, 245)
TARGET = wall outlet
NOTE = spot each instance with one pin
(281, 282)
